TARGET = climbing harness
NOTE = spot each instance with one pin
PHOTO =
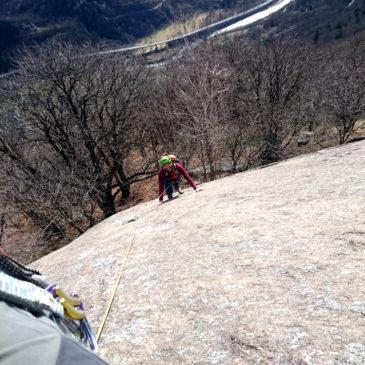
(173, 174)
(28, 296)
(28, 289)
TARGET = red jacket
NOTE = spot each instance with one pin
(171, 176)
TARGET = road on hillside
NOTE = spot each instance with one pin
(254, 18)
(248, 20)
(204, 31)
(230, 24)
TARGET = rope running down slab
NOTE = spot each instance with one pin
(107, 311)
(102, 324)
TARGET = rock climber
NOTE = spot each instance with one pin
(169, 177)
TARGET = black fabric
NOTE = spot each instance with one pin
(17, 270)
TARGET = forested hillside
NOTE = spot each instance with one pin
(28, 21)
(320, 21)
(25, 22)
(80, 136)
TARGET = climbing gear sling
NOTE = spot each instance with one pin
(28, 289)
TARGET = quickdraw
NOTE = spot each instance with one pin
(74, 312)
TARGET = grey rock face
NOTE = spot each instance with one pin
(263, 267)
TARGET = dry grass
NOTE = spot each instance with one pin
(175, 29)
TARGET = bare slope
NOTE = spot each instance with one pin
(264, 267)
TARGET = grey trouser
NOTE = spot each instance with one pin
(37, 340)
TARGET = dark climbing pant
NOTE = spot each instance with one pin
(169, 185)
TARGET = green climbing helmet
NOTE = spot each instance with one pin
(164, 160)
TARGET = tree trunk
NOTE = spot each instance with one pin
(126, 191)
(271, 151)
(123, 184)
(107, 204)
(104, 197)
(2, 225)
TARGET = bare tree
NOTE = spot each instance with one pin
(165, 130)
(272, 79)
(344, 84)
(198, 105)
(73, 135)
(241, 135)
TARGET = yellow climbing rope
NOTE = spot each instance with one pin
(102, 324)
